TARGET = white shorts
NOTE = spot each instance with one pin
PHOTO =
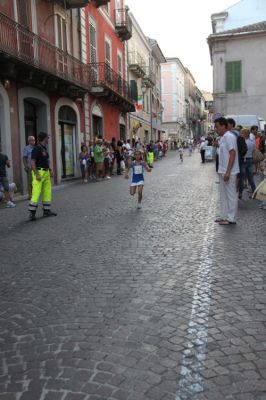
(140, 183)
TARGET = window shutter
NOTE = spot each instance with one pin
(233, 76)
(93, 45)
(134, 90)
(237, 76)
(107, 53)
(24, 12)
(119, 65)
(229, 77)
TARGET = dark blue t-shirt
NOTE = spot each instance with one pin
(3, 160)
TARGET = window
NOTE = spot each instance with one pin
(93, 41)
(24, 11)
(108, 58)
(61, 31)
(107, 52)
(106, 8)
(119, 65)
(233, 72)
(134, 90)
(93, 50)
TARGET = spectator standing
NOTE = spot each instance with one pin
(107, 160)
(246, 164)
(113, 152)
(128, 154)
(99, 159)
(203, 146)
(119, 156)
(5, 163)
(228, 171)
(84, 159)
(27, 162)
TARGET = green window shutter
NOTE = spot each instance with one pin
(233, 71)
(237, 76)
(229, 76)
(134, 90)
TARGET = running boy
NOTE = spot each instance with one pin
(181, 152)
(137, 176)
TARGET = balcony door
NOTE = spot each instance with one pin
(67, 121)
(93, 50)
(25, 39)
(61, 42)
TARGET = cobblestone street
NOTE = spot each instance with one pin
(109, 302)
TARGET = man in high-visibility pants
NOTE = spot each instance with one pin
(41, 178)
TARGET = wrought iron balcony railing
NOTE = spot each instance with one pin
(20, 44)
(123, 24)
(32, 55)
(136, 63)
(105, 82)
(149, 79)
(99, 3)
(72, 3)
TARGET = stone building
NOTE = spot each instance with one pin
(238, 55)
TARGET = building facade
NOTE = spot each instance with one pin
(208, 112)
(173, 97)
(139, 57)
(106, 31)
(239, 86)
(190, 96)
(157, 58)
(50, 82)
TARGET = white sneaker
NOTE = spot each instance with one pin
(139, 206)
(10, 204)
(108, 177)
(85, 180)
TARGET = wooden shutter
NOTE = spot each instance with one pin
(107, 53)
(93, 51)
(93, 44)
(24, 12)
(233, 76)
(134, 90)
(119, 65)
(237, 76)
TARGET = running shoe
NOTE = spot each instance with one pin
(10, 204)
(139, 206)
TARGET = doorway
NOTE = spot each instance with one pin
(122, 132)
(97, 126)
(67, 121)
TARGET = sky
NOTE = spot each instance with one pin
(181, 28)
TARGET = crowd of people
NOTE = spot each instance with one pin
(98, 161)
(241, 156)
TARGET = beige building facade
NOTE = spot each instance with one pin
(238, 55)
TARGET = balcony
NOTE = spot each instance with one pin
(136, 64)
(123, 24)
(99, 3)
(72, 3)
(27, 58)
(149, 79)
(106, 83)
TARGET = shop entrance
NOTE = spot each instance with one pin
(67, 121)
(35, 118)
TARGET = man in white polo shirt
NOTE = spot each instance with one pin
(228, 171)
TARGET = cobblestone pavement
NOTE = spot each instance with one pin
(108, 302)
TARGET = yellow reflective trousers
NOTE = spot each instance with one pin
(41, 188)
